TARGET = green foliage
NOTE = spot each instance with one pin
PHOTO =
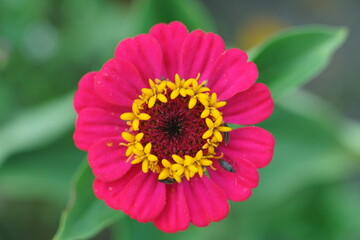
(305, 143)
(36, 127)
(85, 215)
(43, 173)
(293, 57)
(190, 12)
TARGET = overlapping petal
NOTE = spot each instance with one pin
(245, 174)
(232, 73)
(199, 53)
(171, 38)
(253, 144)
(206, 201)
(110, 191)
(144, 197)
(249, 107)
(119, 82)
(94, 124)
(145, 53)
(107, 159)
(86, 97)
(229, 183)
(175, 216)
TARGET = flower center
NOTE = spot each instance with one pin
(174, 129)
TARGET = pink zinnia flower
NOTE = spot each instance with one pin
(154, 123)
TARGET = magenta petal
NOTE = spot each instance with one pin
(145, 53)
(119, 82)
(175, 216)
(229, 183)
(206, 201)
(232, 74)
(107, 159)
(250, 143)
(198, 215)
(100, 189)
(245, 173)
(249, 107)
(144, 197)
(94, 124)
(110, 191)
(171, 38)
(86, 97)
(199, 53)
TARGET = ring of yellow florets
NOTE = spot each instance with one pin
(178, 166)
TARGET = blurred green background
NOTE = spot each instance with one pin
(311, 190)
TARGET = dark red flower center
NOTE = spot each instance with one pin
(174, 128)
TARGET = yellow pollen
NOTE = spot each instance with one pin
(161, 91)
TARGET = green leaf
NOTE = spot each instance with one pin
(36, 127)
(191, 12)
(41, 174)
(293, 57)
(310, 147)
(85, 215)
(111, 23)
(311, 107)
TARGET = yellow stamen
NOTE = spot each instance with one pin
(128, 116)
(165, 173)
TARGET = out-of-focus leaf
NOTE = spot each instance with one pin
(312, 107)
(309, 147)
(191, 12)
(321, 211)
(110, 23)
(291, 58)
(41, 174)
(36, 127)
(350, 136)
(85, 215)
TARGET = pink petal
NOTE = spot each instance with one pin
(110, 191)
(94, 124)
(143, 198)
(86, 97)
(232, 74)
(199, 53)
(119, 82)
(250, 143)
(175, 216)
(145, 53)
(245, 171)
(101, 189)
(230, 184)
(249, 107)
(206, 201)
(171, 38)
(107, 159)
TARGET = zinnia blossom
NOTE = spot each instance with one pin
(154, 121)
